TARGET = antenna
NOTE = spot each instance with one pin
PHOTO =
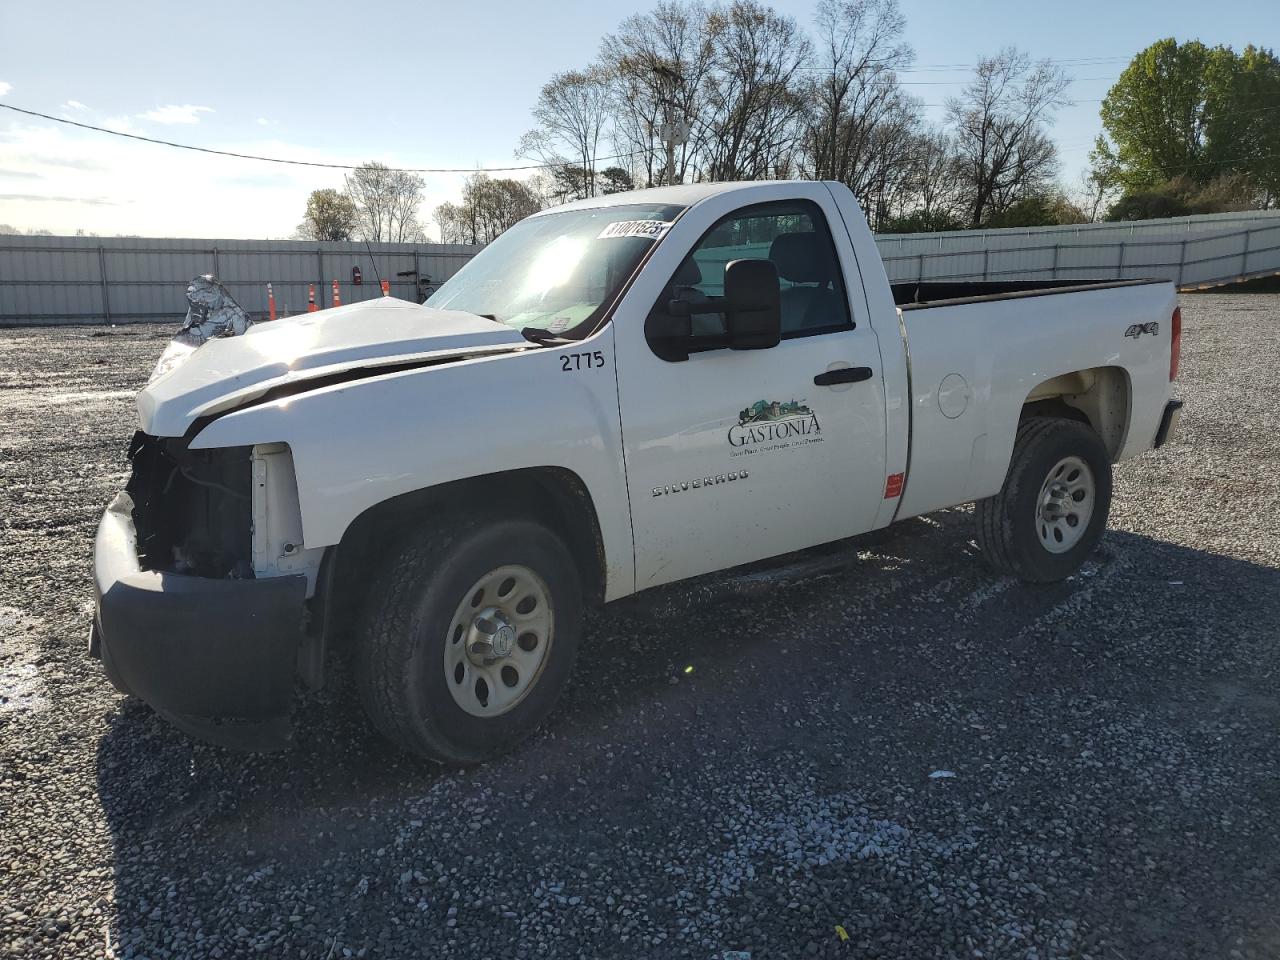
(374, 264)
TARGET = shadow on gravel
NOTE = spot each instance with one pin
(322, 848)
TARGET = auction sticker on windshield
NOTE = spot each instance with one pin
(654, 229)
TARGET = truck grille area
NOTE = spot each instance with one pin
(192, 509)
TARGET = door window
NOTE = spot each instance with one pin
(793, 235)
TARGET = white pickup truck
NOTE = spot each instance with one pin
(617, 393)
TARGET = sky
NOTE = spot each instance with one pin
(416, 85)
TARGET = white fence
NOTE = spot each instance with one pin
(91, 279)
(1193, 252)
(88, 279)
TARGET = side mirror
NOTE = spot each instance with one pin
(752, 305)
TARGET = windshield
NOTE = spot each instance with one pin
(557, 272)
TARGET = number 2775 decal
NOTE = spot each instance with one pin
(581, 361)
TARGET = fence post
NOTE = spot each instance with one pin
(217, 272)
(102, 275)
(1120, 268)
(920, 267)
(1056, 250)
(986, 255)
(1182, 261)
(1244, 259)
(320, 270)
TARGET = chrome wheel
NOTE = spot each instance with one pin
(1065, 505)
(498, 641)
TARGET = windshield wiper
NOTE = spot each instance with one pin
(544, 338)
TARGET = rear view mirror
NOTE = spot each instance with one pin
(752, 305)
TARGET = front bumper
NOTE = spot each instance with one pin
(216, 657)
(1168, 423)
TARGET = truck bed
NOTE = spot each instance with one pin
(977, 352)
(921, 294)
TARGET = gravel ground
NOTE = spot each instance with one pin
(742, 764)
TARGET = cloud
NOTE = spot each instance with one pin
(173, 113)
(41, 198)
(75, 106)
(264, 122)
(5, 88)
(161, 192)
(121, 124)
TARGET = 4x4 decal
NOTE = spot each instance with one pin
(1138, 329)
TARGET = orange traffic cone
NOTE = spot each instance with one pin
(337, 299)
(386, 288)
(311, 298)
(271, 303)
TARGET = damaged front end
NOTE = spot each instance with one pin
(192, 509)
(182, 621)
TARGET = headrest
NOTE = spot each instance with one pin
(688, 275)
(802, 258)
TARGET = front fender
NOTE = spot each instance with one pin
(359, 443)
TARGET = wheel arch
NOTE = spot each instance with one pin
(1098, 396)
(554, 496)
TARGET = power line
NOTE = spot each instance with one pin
(929, 83)
(296, 163)
(955, 67)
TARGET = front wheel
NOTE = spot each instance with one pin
(470, 638)
(1052, 510)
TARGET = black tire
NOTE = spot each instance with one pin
(1007, 523)
(400, 658)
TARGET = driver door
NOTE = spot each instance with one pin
(737, 455)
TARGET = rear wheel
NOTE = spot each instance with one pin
(1053, 508)
(470, 638)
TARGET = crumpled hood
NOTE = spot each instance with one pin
(226, 372)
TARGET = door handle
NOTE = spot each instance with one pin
(843, 375)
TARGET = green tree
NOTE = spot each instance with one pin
(1048, 209)
(616, 180)
(922, 221)
(330, 215)
(1182, 196)
(1188, 110)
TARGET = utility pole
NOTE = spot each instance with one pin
(671, 151)
(672, 131)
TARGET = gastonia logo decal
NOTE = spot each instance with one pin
(774, 424)
(1138, 329)
(697, 483)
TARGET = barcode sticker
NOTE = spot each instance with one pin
(653, 229)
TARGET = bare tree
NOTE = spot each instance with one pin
(753, 100)
(657, 64)
(488, 207)
(999, 125)
(572, 113)
(386, 202)
(859, 50)
(935, 181)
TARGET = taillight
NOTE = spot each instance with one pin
(1175, 343)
